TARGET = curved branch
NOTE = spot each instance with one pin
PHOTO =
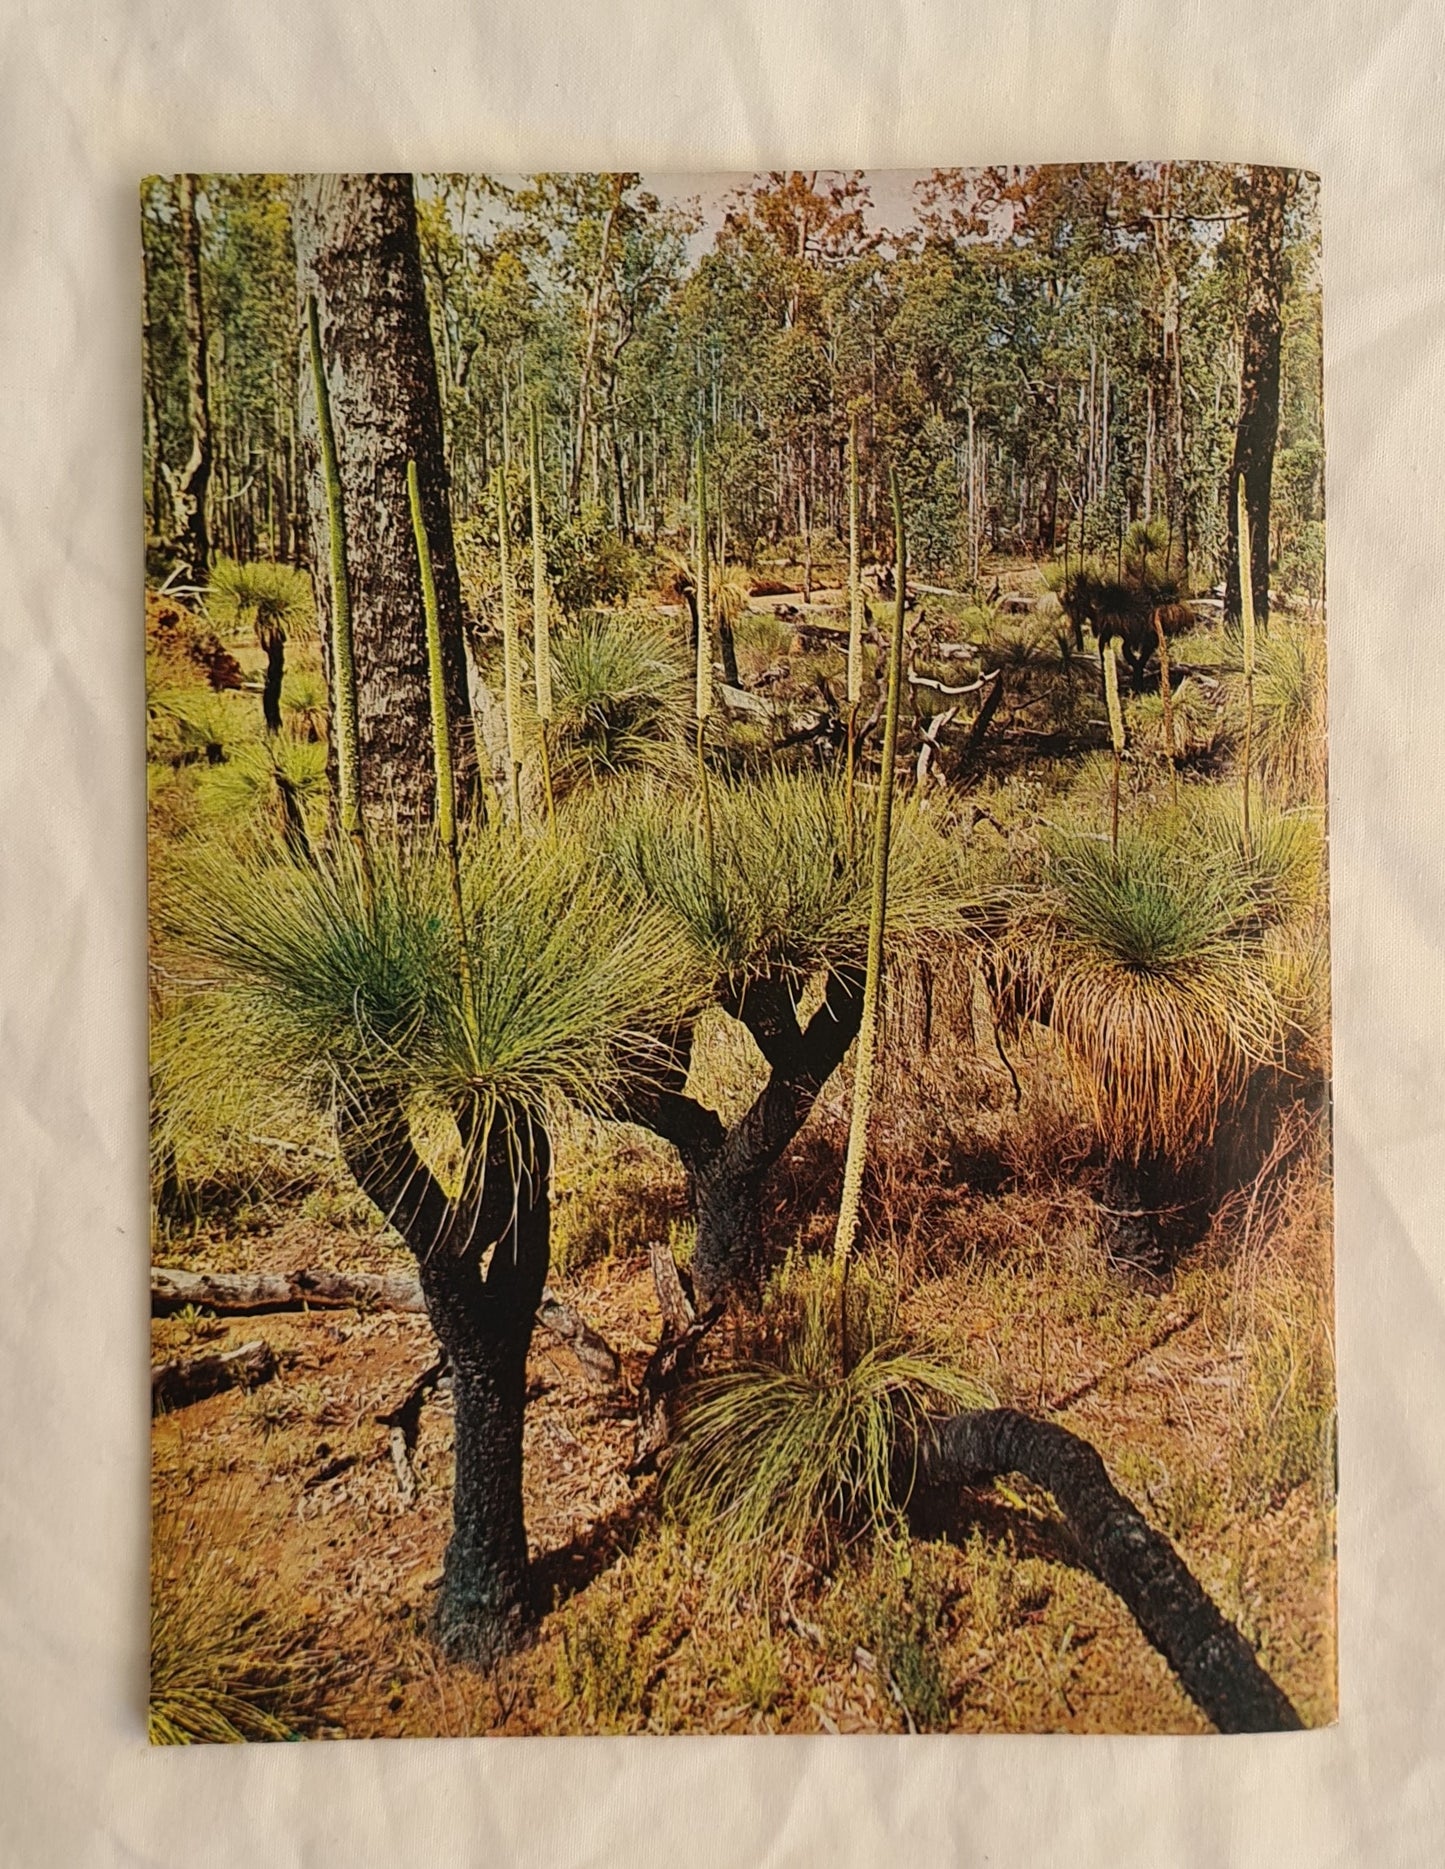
(1215, 1665)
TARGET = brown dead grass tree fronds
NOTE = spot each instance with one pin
(1158, 992)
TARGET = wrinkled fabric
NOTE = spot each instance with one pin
(93, 97)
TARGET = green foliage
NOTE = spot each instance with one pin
(892, 1603)
(267, 600)
(614, 1640)
(588, 565)
(254, 778)
(784, 896)
(334, 971)
(220, 1671)
(618, 697)
(1150, 965)
(1290, 726)
(189, 723)
(1288, 1410)
(305, 700)
(792, 1454)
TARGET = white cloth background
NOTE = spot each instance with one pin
(94, 93)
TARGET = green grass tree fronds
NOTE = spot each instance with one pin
(857, 1154)
(788, 1456)
(343, 656)
(781, 909)
(1289, 718)
(1166, 698)
(221, 1672)
(348, 986)
(619, 699)
(282, 777)
(1150, 964)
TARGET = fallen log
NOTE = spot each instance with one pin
(192, 1378)
(322, 1290)
(307, 1289)
(1215, 1665)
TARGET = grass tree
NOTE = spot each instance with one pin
(776, 902)
(441, 996)
(352, 985)
(1150, 964)
(618, 699)
(271, 601)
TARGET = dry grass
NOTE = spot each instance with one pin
(1209, 1391)
(223, 1669)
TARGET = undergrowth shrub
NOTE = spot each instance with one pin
(797, 1452)
(893, 1604)
(615, 1639)
(613, 1195)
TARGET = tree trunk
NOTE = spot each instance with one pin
(728, 1169)
(275, 676)
(483, 1320)
(193, 535)
(1215, 1665)
(1254, 441)
(357, 251)
(1152, 1210)
(727, 642)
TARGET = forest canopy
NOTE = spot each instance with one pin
(1049, 355)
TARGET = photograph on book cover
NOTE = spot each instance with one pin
(739, 964)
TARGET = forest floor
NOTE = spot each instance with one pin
(990, 1621)
(1208, 1391)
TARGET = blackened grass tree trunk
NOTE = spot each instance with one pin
(357, 253)
(482, 1260)
(728, 1168)
(1269, 191)
(1214, 1663)
(272, 638)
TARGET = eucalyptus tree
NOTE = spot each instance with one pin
(1267, 193)
(357, 257)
